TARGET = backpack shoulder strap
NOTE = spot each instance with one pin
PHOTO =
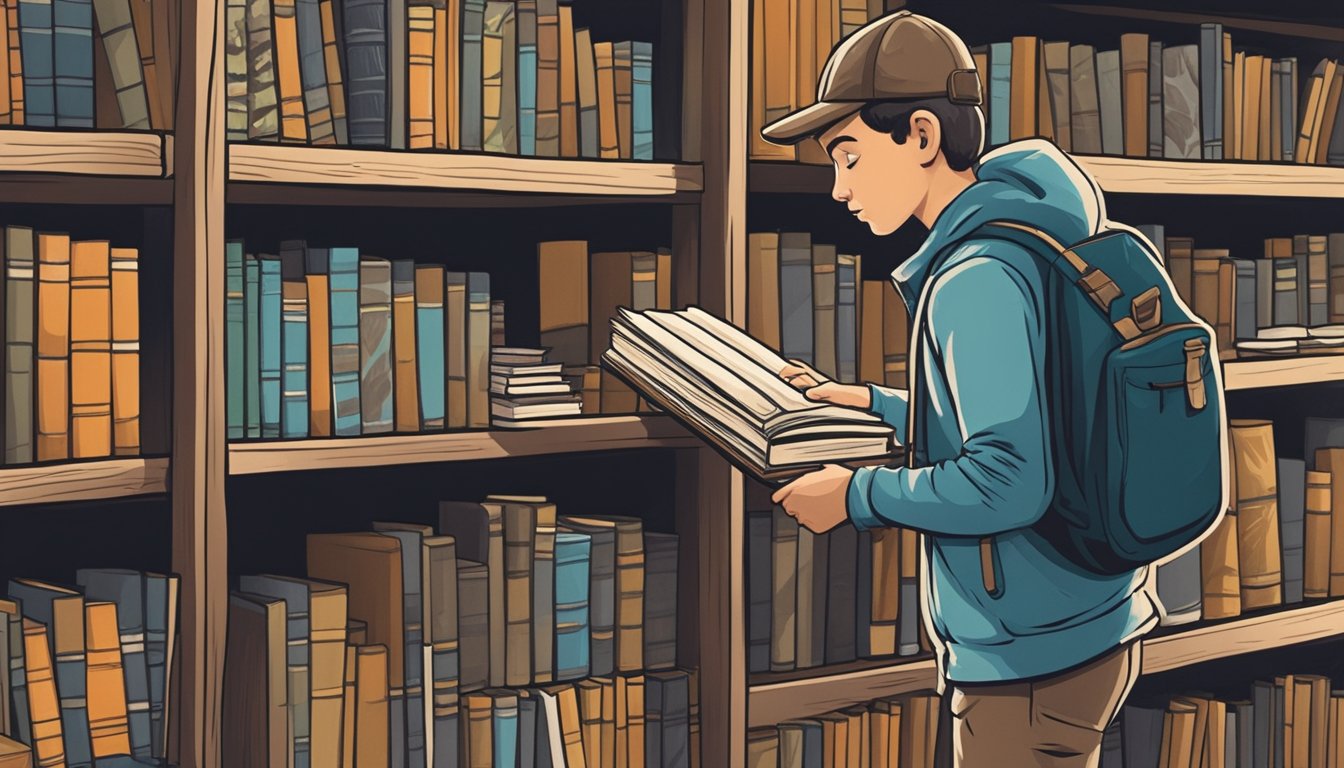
(1093, 282)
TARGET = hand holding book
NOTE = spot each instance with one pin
(815, 386)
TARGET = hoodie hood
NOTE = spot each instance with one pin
(1031, 182)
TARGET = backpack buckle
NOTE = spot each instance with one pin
(1194, 378)
(1100, 287)
(1146, 308)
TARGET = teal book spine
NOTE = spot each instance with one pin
(344, 291)
(641, 110)
(72, 41)
(504, 726)
(157, 661)
(375, 345)
(127, 590)
(1000, 85)
(252, 347)
(235, 339)
(572, 551)
(39, 76)
(429, 340)
(294, 341)
(527, 77)
(271, 345)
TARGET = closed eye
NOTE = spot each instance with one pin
(850, 159)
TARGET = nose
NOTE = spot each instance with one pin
(840, 191)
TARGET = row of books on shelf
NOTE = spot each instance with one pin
(893, 732)
(87, 668)
(71, 335)
(824, 599)
(1292, 720)
(507, 76)
(810, 302)
(80, 65)
(506, 594)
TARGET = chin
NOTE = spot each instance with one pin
(881, 229)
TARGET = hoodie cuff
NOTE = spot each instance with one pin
(860, 512)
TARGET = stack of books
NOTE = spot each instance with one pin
(500, 76)
(71, 368)
(505, 630)
(49, 52)
(900, 730)
(1290, 720)
(523, 386)
(87, 667)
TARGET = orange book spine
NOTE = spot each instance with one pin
(451, 50)
(608, 143)
(6, 102)
(1022, 108)
(331, 60)
(1220, 571)
(406, 400)
(108, 729)
(420, 75)
(293, 119)
(443, 66)
(1332, 460)
(43, 706)
(319, 355)
(15, 64)
(90, 350)
(53, 347)
(1133, 92)
(569, 85)
(125, 352)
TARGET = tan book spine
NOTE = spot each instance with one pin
(406, 400)
(1238, 105)
(293, 119)
(449, 53)
(1331, 460)
(623, 81)
(629, 595)
(783, 638)
(1257, 504)
(108, 729)
(356, 635)
(1231, 149)
(611, 286)
(125, 351)
(319, 355)
(1184, 734)
(1297, 750)
(327, 621)
(16, 65)
(142, 19)
(372, 672)
(1316, 535)
(44, 709)
(590, 714)
(870, 333)
(420, 97)
(608, 136)
(636, 739)
(1319, 718)
(1315, 112)
(806, 31)
(6, 100)
(548, 79)
(1250, 106)
(1045, 116)
(621, 717)
(1205, 287)
(520, 524)
(569, 85)
(895, 337)
(331, 59)
(563, 279)
(1326, 130)
(882, 630)
(1263, 112)
(1336, 736)
(1199, 729)
(571, 724)
(1022, 107)
(477, 743)
(14, 754)
(763, 287)
(90, 350)
(1219, 570)
(1134, 92)
(455, 326)
(763, 748)
(780, 67)
(53, 347)
(608, 721)
(857, 749)
(760, 149)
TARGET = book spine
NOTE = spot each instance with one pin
(773, 71)
(547, 140)
(318, 280)
(1318, 280)
(375, 345)
(479, 732)
(759, 587)
(1332, 460)
(1181, 94)
(1301, 259)
(1335, 279)
(406, 401)
(53, 347)
(473, 24)
(1261, 570)
(569, 98)
(439, 654)
(520, 528)
(1109, 102)
(1246, 300)
(429, 283)
(527, 77)
(543, 595)
(863, 595)
(1292, 507)
(1000, 92)
(824, 309)
(660, 601)
(420, 52)
(1055, 57)
(622, 63)
(527, 730)
(1134, 49)
(72, 54)
(366, 46)
(372, 707)
(116, 27)
(1288, 109)
(473, 626)
(846, 318)
(642, 100)
(608, 144)
(20, 323)
(252, 349)
(294, 345)
(1085, 117)
(345, 340)
(331, 61)
(796, 296)
(125, 358)
(313, 72)
(1157, 66)
(90, 350)
(478, 350)
(1211, 90)
(1220, 570)
(602, 604)
(67, 640)
(36, 45)
(784, 543)
(589, 113)
(235, 339)
(271, 352)
(44, 706)
(263, 98)
(842, 586)
(108, 730)
(1285, 290)
(289, 82)
(630, 578)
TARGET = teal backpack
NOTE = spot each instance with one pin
(1135, 402)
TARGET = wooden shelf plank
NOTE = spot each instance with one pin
(403, 170)
(1282, 372)
(83, 481)
(86, 153)
(605, 433)
(1121, 174)
(775, 702)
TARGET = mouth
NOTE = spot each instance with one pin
(855, 212)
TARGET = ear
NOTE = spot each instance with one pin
(927, 134)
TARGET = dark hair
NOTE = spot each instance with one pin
(963, 126)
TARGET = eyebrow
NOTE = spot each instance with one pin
(830, 147)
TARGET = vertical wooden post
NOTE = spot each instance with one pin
(200, 547)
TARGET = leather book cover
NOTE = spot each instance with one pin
(53, 347)
(405, 377)
(1219, 570)
(90, 350)
(1257, 503)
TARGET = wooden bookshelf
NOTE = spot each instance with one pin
(1282, 372)
(606, 433)
(275, 173)
(1121, 175)
(86, 153)
(83, 481)
(775, 702)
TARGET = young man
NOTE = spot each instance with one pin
(1039, 654)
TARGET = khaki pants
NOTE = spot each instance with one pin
(1055, 721)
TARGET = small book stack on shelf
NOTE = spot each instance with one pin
(510, 634)
(1197, 101)
(501, 76)
(87, 668)
(74, 64)
(72, 348)
(884, 733)
(523, 386)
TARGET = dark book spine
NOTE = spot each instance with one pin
(841, 602)
(759, 585)
(1211, 90)
(313, 73)
(365, 32)
(72, 44)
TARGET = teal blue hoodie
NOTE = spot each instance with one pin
(985, 468)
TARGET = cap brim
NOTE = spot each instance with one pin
(809, 121)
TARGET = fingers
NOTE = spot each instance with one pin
(783, 493)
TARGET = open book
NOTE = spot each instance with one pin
(725, 386)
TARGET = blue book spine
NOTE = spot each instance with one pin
(39, 77)
(364, 23)
(252, 349)
(313, 72)
(271, 347)
(1211, 89)
(73, 687)
(235, 339)
(572, 552)
(72, 41)
(505, 732)
(641, 110)
(527, 98)
(127, 590)
(156, 656)
(294, 376)
(429, 354)
(1000, 85)
(345, 339)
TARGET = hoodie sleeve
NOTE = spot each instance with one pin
(989, 342)
(890, 405)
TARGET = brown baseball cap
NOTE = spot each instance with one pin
(899, 56)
